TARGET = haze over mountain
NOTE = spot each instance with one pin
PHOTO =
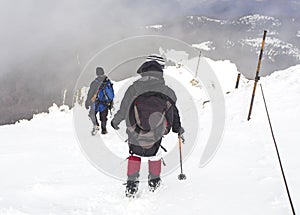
(45, 45)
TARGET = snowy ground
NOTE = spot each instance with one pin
(44, 172)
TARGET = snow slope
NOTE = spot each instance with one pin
(44, 172)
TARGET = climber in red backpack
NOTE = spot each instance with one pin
(149, 110)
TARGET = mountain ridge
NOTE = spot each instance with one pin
(241, 38)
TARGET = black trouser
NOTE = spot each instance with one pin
(103, 116)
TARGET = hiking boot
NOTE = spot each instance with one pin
(154, 184)
(95, 130)
(103, 130)
(131, 188)
(133, 169)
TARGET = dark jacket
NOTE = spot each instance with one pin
(94, 86)
(151, 81)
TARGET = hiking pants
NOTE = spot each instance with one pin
(93, 116)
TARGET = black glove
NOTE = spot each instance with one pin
(114, 125)
(181, 131)
(87, 105)
(111, 105)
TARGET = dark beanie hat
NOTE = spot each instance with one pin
(99, 71)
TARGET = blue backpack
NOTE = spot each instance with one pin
(105, 95)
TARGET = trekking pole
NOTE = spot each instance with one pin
(181, 176)
(257, 73)
(195, 81)
(237, 81)
(277, 151)
(198, 63)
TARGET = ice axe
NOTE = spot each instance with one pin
(181, 176)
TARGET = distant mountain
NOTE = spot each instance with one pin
(231, 9)
(220, 9)
(239, 40)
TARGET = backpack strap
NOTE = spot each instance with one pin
(103, 88)
(163, 148)
(102, 83)
(94, 97)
